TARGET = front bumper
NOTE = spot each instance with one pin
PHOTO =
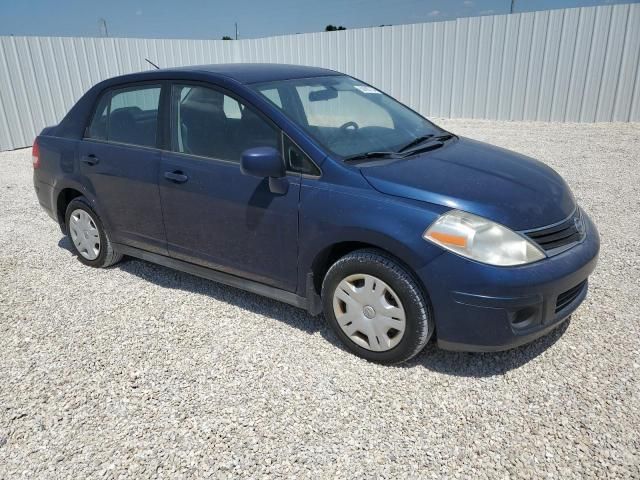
(479, 307)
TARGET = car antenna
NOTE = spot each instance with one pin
(157, 67)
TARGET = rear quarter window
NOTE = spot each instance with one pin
(98, 127)
(127, 115)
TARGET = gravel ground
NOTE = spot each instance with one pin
(142, 371)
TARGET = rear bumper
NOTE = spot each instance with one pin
(482, 308)
(44, 192)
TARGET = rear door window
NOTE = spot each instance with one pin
(128, 115)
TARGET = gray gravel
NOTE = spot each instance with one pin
(141, 371)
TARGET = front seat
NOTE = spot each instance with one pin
(203, 124)
(254, 131)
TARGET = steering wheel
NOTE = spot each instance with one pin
(350, 127)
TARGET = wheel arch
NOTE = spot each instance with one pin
(65, 196)
(328, 255)
(66, 190)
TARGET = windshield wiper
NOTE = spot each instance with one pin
(424, 138)
(416, 141)
(364, 156)
(404, 151)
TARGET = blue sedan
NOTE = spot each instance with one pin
(314, 188)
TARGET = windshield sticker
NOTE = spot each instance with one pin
(366, 89)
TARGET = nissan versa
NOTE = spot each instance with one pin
(314, 188)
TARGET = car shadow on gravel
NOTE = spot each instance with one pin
(432, 358)
(65, 243)
(174, 279)
(465, 364)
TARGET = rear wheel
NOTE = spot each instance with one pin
(88, 236)
(376, 307)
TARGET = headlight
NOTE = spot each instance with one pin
(481, 239)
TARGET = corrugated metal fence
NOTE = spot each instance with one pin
(575, 65)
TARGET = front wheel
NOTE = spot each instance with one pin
(376, 307)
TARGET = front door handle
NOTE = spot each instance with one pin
(176, 176)
(90, 159)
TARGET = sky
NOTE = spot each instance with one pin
(256, 18)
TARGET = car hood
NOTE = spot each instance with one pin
(504, 186)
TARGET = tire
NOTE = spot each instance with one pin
(106, 255)
(401, 295)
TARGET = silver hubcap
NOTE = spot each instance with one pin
(84, 234)
(369, 312)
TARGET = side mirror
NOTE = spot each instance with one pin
(265, 162)
(262, 162)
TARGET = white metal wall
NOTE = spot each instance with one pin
(572, 65)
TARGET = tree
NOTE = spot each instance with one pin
(333, 28)
(226, 37)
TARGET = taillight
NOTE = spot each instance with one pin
(35, 154)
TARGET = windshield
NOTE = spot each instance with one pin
(346, 116)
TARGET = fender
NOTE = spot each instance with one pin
(82, 185)
(341, 215)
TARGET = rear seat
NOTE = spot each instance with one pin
(133, 125)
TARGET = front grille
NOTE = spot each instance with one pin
(564, 299)
(561, 236)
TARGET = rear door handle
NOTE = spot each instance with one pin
(90, 159)
(176, 176)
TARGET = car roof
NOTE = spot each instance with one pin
(248, 73)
